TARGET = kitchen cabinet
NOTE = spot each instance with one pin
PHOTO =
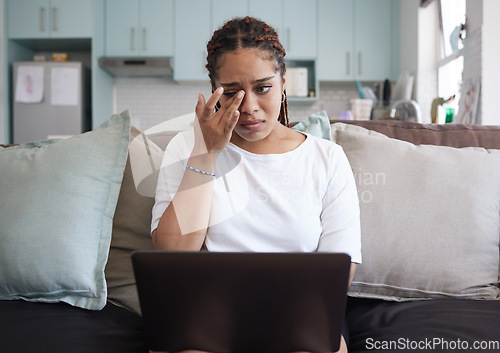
(223, 10)
(294, 20)
(191, 41)
(41, 19)
(136, 28)
(270, 12)
(192, 32)
(298, 37)
(355, 40)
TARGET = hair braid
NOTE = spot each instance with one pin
(284, 112)
(247, 32)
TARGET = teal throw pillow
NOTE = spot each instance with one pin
(317, 124)
(56, 215)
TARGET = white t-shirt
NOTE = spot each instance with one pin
(303, 200)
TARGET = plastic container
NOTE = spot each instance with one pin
(361, 108)
(345, 115)
(450, 112)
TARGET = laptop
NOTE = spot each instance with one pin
(242, 302)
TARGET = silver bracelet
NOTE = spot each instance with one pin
(200, 171)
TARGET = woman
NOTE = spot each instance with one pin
(271, 177)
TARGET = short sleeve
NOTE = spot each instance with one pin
(340, 217)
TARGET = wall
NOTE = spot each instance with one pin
(154, 100)
(482, 55)
(473, 46)
(3, 79)
(427, 57)
(490, 60)
(418, 51)
(408, 52)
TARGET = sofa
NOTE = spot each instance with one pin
(73, 210)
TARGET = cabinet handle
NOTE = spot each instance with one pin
(54, 19)
(132, 39)
(144, 39)
(348, 63)
(42, 16)
(360, 65)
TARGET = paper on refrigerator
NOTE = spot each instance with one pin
(29, 84)
(64, 86)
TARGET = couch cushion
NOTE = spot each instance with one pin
(132, 220)
(429, 218)
(59, 198)
(440, 325)
(453, 135)
(60, 328)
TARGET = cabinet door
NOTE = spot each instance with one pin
(157, 28)
(300, 29)
(28, 18)
(224, 10)
(70, 18)
(122, 27)
(372, 59)
(192, 32)
(270, 12)
(335, 31)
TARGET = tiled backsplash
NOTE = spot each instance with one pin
(154, 100)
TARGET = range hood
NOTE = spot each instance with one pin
(136, 67)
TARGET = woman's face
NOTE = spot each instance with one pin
(251, 71)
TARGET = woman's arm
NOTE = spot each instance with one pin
(184, 223)
(352, 271)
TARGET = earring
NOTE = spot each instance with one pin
(283, 97)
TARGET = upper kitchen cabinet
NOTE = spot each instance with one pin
(139, 28)
(223, 10)
(356, 40)
(192, 32)
(294, 20)
(41, 19)
(270, 12)
(193, 29)
(300, 29)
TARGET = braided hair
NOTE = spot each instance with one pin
(242, 33)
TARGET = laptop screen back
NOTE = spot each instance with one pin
(242, 302)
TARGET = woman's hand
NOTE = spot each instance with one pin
(213, 129)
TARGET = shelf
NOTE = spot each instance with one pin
(312, 81)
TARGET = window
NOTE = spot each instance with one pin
(450, 67)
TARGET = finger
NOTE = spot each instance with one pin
(200, 106)
(232, 106)
(212, 101)
(231, 123)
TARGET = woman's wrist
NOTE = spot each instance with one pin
(202, 162)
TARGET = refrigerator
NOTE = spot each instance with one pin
(50, 100)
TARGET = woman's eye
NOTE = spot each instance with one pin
(229, 93)
(263, 89)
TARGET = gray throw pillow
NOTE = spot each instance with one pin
(429, 218)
